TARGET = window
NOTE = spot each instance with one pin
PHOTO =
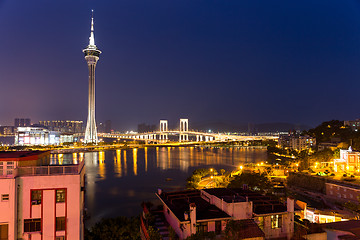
(32, 225)
(261, 223)
(60, 223)
(202, 227)
(10, 165)
(60, 195)
(60, 238)
(217, 227)
(35, 197)
(4, 197)
(4, 231)
(276, 221)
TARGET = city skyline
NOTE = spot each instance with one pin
(232, 62)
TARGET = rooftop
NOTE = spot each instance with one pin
(352, 226)
(261, 204)
(4, 155)
(178, 203)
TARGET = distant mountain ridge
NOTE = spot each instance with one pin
(250, 127)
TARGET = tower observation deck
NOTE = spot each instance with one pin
(92, 54)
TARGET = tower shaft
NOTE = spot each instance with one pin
(92, 54)
(91, 131)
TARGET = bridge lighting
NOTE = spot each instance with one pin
(241, 167)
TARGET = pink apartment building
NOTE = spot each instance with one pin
(209, 210)
(39, 201)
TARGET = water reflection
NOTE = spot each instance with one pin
(164, 158)
(102, 172)
(117, 164)
(117, 181)
(146, 159)
(135, 161)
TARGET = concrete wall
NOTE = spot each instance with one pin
(342, 192)
(175, 224)
(238, 210)
(8, 208)
(48, 210)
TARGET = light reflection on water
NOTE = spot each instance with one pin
(118, 181)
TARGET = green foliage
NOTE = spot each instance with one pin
(115, 228)
(255, 181)
(202, 236)
(336, 153)
(193, 181)
(331, 129)
(154, 233)
(307, 181)
(352, 206)
(325, 155)
(172, 234)
(233, 230)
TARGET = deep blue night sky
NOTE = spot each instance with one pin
(233, 61)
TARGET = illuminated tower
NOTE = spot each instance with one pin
(92, 54)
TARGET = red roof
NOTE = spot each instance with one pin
(20, 155)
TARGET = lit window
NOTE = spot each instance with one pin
(32, 225)
(276, 221)
(35, 197)
(4, 197)
(60, 223)
(60, 238)
(60, 195)
(261, 223)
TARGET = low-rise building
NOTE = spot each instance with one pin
(297, 142)
(209, 210)
(353, 124)
(343, 191)
(26, 136)
(349, 161)
(342, 230)
(39, 201)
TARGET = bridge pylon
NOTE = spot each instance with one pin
(163, 130)
(184, 129)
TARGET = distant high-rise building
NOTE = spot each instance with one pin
(63, 126)
(92, 54)
(7, 130)
(22, 122)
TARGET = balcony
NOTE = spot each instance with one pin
(48, 170)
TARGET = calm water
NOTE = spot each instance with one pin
(118, 181)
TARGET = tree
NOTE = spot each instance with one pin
(202, 236)
(154, 233)
(193, 181)
(115, 228)
(255, 181)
